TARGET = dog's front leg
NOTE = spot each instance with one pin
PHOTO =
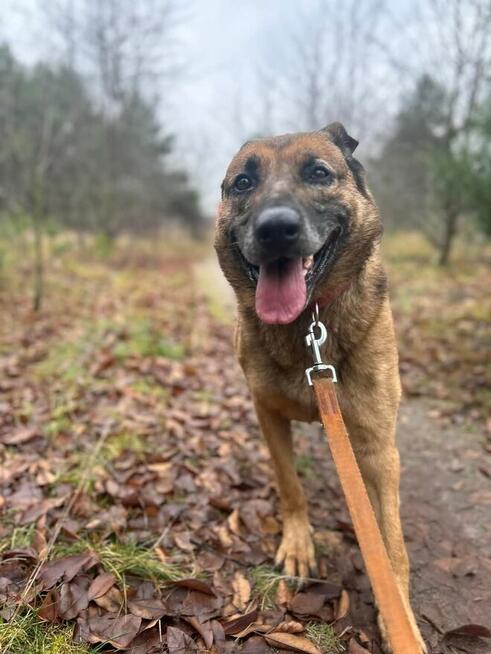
(296, 552)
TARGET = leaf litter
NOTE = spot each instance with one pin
(137, 496)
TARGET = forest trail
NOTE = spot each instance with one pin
(445, 506)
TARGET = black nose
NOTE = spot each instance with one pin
(277, 228)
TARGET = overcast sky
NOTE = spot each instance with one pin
(217, 103)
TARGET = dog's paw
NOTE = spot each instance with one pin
(385, 641)
(296, 553)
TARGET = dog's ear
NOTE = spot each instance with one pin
(340, 137)
(347, 144)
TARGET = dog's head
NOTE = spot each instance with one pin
(296, 221)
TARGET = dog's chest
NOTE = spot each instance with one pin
(283, 389)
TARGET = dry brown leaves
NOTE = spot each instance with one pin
(182, 472)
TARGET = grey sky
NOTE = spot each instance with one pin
(219, 101)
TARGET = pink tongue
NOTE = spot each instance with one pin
(281, 292)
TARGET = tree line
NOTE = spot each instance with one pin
(63, 158)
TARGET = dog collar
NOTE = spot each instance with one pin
(328, 298)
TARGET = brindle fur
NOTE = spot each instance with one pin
(361, 340)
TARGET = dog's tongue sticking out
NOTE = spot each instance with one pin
(281, 291)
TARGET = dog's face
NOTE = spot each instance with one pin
(295, 215)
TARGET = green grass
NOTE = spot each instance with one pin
(27, 634)
(266, 581)
(62, 360)
(149, 388)
(324, 636)
(143, 340)
(116, 444)
(123, 559)
(20, 538)
(81, 465)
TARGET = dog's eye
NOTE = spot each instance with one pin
(318, 174)
(242, 183)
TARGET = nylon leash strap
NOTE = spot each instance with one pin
(384, 585)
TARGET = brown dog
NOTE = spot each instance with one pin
(297, 225)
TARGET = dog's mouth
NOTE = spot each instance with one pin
(284, 286)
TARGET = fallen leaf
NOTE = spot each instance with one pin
(306, 603)
(475, 630)
(117, 631)
(111, 601)
(48, 610)
(254, 627)
(292, 642)
(65, 569)
(343, 605)
(284, 594)
(233, 522)
(236, 625)
(149, 609)
(195, 584)
(204, 630)
(146, 641)
(242, 591)
(290, 626)
(178, 642)
(100, 585)
(224, 537)
(72, 599)
(19, 436)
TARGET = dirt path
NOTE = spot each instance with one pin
(446, 509)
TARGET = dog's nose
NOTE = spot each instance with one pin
(277, 228)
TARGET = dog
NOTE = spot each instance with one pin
(297, 225)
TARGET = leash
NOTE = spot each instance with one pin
(377, 563)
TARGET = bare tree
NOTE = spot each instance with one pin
(127, 52)
(122, 47)
(449, 40)
(330, 70)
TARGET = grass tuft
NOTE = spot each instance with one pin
(266, 581)
(324, 637)
(144, 341)
(126, 559)
(27, 634)
(116, 444)
(20, 538)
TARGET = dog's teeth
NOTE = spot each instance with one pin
(307, 262)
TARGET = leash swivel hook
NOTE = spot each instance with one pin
(315, 343)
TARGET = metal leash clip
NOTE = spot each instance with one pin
(315, 344)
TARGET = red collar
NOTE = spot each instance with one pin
(333, 294)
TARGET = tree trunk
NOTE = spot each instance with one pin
(450, 231)
(37, 300)
(37, 219)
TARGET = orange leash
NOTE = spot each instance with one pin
(377, 563)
